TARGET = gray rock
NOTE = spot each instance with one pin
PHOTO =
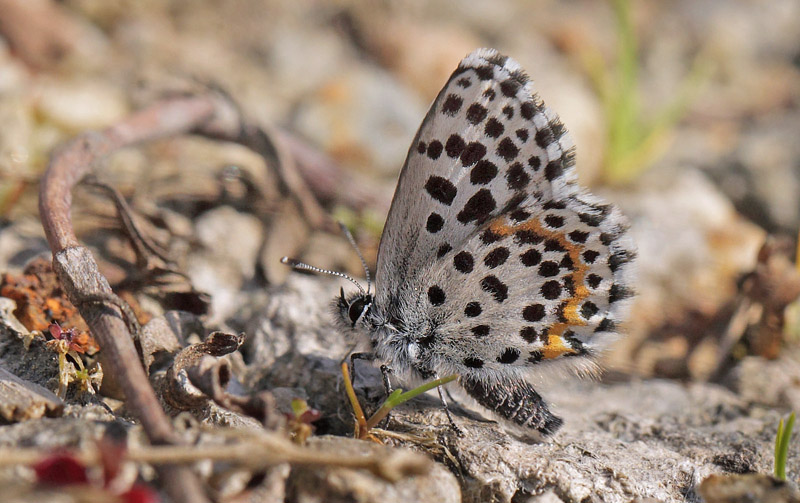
(746, 488)
(21, 400)
(231, 244)
(35, 363)
(772, 383)
(335, 485)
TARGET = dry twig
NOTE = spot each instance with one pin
(254, 451)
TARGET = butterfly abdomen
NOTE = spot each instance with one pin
(514, 401)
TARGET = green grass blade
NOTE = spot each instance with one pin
(782, 438)
(408, 395)
(777, 460)
(397, 397)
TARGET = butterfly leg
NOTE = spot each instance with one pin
(358, 356)
(453, 424)
(386, 371)
(387, 383)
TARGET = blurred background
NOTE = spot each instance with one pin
(685, 114)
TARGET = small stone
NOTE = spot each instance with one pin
(745, 488)
(78, 105)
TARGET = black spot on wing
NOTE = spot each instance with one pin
(597, 217)
(480, 330)
(533, 312)
(618, 258)
(452, 104)
(588, 309)
(531, 257)
(463, 262)
(497, 59)
(510, 87)
(472, 362)
(558, 129)
(578, 236)
(485, 72)
(476, 113)
(483, 172)
(508, 356)
(488, 237)
(554, 221)
(589, 256)
(495, 287)
(436, 295)
(494, 128)
(554, 205)
(553, 170)
(527, 109)
(529, 334)
(473, 309)
(435, 223)
(551, 290)
(527, 237)
(519, 215)
(472, 153)
(507, 150)
(516, 177)
(553, 245)
(435, 149)
(548, 269)
(496, 257)
(441, 189)
(607, 325)
(478, 207)
(454, 146)
(535, 357)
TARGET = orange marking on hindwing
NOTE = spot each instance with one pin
(556, 344)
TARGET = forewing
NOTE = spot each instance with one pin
(487, 145)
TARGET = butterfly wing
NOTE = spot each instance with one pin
(493, 260)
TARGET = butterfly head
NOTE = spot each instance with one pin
(354, 308)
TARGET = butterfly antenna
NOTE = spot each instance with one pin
(294, 264)
(349, 236)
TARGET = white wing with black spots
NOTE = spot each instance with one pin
(493, 260)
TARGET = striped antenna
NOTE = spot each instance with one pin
(294, 264)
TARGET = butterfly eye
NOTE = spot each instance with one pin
(357, 308)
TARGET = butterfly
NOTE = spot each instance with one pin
(494, 264)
